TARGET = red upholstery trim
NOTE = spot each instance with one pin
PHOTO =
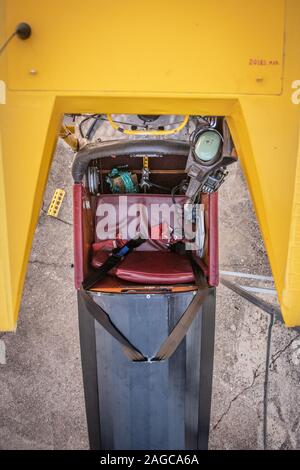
(99, 256)
(213, 242)
(78, 234)
(156, 268)
(201, 264)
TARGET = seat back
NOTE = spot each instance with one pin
(122, 217)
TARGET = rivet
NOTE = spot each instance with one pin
(148, 296)
(33, 72)
(259, 79)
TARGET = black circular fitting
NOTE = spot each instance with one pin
(148, 117)
(23, 30)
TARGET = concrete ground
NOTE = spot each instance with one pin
(41, 393)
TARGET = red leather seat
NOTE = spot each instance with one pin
(152, 262)
(159, 267)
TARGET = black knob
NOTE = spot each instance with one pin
(23, 30)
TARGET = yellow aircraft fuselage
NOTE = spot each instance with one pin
(239, 59)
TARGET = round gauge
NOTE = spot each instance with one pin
(207, 146)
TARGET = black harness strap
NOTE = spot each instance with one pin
(96, 311)
(112, 261)
(103, 318)
(182, 326)
(179, 331)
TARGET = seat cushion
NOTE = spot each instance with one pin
(145, 267)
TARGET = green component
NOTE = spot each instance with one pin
(121, 181)
(208, 145)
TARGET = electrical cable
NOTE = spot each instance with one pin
(91, 116)
(174, 191)
(157, 186)
(5, 44)
(99, 117)
(23, 31)
(176, 188)
(92, 129)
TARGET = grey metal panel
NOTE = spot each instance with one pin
(142, 319)
(104, 350)
(193, 344)
(148, 405)
(89, 370)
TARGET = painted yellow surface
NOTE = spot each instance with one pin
(137, 46)
(234, 58)
(56, 202)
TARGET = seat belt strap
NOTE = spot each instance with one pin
(103, 318)
(96, 311)
(182, 326)
(180, 329)
(112, 261)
